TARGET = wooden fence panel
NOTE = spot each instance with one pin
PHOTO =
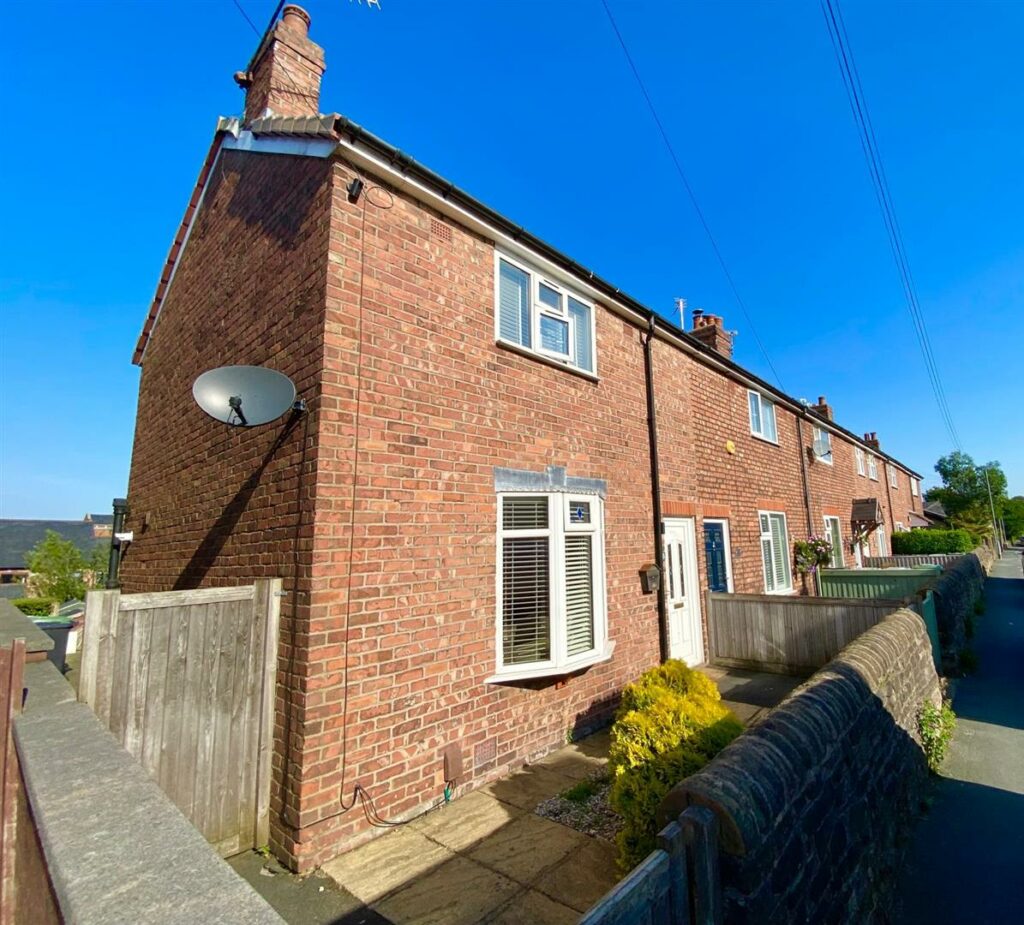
(935, 558)
(787, 634)
(185, 681)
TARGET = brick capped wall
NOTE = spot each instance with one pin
(814, 802)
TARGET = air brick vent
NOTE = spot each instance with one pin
(441, 230)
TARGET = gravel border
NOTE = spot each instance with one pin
(592, 817)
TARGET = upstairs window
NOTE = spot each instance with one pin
(543, 316)
(913, 487)
(892, 477)
(859, 455)
(775, 553)
(762, 417)
(551, 587)
(822, 445)
(872, 468)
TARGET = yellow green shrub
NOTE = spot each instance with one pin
(670, 723)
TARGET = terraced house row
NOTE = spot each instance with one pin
(498, 444)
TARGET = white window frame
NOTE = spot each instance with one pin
(820, 435)
(872, 467)
(762, 403)
(882, 541)
(893, 480)
(837, 551)
(914, 489)
(859, 455)
(789, 589)
(538, 308)
(899, 527)
(559, 526)
(728, 550)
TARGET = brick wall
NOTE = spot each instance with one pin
(213, 505)
(815, 800)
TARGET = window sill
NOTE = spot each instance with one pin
(519, 673)
(764, 439)
(546, 360)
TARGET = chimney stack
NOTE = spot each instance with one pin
(872, 440)
(709, 331)
(823, 408)
(284, 75)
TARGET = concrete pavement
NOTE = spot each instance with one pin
(966, 859)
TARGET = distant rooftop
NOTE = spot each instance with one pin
(18, 537)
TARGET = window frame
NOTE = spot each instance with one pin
(882, 541)
(872, 467)
(537, 308)
(915, 488)
(815, 432)
(786, 556)
(762, 403)
(894, 481)
(559, 527)
(858, 454)
(837, 550)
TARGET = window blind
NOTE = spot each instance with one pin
(514, 304)
(579, 594)
(584, 348)
(526, 612)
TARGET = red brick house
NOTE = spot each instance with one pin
(462, 514)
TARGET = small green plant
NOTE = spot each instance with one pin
(581, 792)
(968, 660)
(35, 606)
(570, 735)
(263, 851)
(936, 725)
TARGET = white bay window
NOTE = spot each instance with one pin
(551, 587)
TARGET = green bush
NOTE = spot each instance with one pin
(35, 606)
(670, 723)
(936, 726)
(925, 542)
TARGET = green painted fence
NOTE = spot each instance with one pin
(889, 583)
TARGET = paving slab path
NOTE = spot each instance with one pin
(965, 862)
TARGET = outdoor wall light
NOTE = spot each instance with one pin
(355, 188)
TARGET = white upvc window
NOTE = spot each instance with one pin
(542, 316)
(892, 476)
(762, 417)
(899, 527)
(872, 467)
(880, 536)
(778, 578)
(822, 445)
(834, 532)
(859, 455)
(550, 584)
(914, 487)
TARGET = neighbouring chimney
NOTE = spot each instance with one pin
(823, 408)
(872, 440)
(709, 331)
(284, 75)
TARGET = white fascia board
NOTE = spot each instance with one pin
(280, 144)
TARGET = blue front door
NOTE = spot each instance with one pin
(714, 555)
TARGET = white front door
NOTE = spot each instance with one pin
(682, 591)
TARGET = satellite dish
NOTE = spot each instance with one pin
(244, 396)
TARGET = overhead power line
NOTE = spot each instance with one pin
(876, 169)
(689, 191)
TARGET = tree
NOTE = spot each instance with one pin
(57, 565)
(1013, 517)
(964, 492)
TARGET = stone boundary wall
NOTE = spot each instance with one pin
(956, 590)
(113, 847)
(813, 801)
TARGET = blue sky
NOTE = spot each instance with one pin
(530, 107)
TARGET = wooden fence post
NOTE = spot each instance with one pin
(100, 618)
(267, 607)
(700, 833)
(12, 668)
(671, 841)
